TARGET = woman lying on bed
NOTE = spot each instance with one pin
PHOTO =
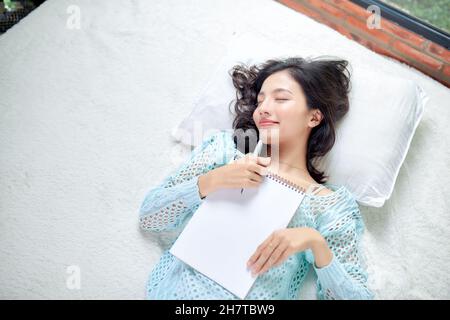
(293, 105)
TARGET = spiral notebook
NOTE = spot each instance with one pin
(228, 226)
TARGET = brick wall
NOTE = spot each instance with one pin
(390, 39)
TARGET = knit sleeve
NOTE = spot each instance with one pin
(345, 277)
(167, 206)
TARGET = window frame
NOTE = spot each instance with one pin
(409, 22)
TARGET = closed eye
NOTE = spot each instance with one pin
(275, 100)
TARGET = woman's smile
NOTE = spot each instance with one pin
(267, 123)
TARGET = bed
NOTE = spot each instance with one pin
(89, 95)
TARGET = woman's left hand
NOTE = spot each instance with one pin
(280, 245)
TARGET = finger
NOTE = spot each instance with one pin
(266, 265)
(260, 170)
(282, 257)
(249, 183)
(266, 252)
(259, 249)
(253, 184)
(250, 158)
(254, 176)
(263, 259)
(274, 258)
(264, 161)
(243, 160)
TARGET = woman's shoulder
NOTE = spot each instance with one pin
(338, 206)
(216, 139)
(323, 191)
(220, 143)
(328, 190)
(333, 198)
(226, 138)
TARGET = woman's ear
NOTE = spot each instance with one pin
(315, 118)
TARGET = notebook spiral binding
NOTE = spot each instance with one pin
(280, 179)
(285, 182)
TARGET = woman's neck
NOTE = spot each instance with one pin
(290, 160)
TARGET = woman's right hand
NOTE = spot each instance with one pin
(246, 172)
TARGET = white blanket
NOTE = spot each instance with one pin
(86, 116)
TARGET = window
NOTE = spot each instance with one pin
(12, 12)
(434, 12)
(428, 18)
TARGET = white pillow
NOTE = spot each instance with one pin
(371, 140)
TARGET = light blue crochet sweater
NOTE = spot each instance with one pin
(169, 206)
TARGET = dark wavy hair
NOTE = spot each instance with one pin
(325, 83)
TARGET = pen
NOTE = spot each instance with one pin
(256, 152)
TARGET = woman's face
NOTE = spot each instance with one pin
(281, 99)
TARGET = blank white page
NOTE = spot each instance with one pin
(228, 226)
